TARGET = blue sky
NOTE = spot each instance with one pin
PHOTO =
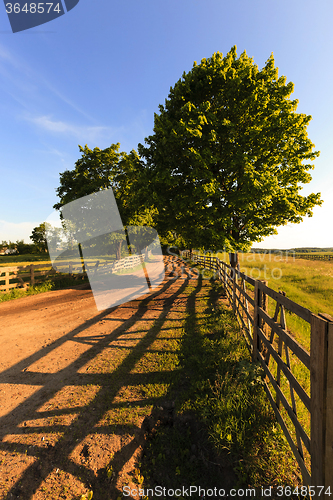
(97, 74)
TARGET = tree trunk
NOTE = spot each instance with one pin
(147, 253)
(118, 249)
(234, 263)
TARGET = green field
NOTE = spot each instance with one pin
(43, 258)
(309, 283)
(24, 259)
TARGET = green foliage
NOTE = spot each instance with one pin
(94, 171)
(225, 162)
(3, 245)
(98, 170)
(17, 293)
(10, 245)
(25, 248)
(38, 236)
(19, 246)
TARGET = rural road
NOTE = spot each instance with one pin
(66, 369)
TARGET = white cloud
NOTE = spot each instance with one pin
(4, 53)
(12, 231)
(82, 132)
(36, 96)
(67, 100)
(26, 84)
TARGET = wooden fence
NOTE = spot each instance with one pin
(284, 361)
(311, 256)
(25, 276)
(34, 274)
(128, 262)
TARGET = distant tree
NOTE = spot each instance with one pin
(38, 236)
(24, 248)
(8, 247)
(3, 245)
(224, 165)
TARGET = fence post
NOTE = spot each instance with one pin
(321, 371)
(264, 306)
(255, 321)
(318, 380)
(32, 275)
(216, 268)
(225, 278)
(7, 278)
(233, 271)
(329, 410)
(260, 301)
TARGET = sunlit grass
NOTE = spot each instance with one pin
(23, 260)
(309, 283)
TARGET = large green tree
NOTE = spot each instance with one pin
(99, 169)
(225, 164)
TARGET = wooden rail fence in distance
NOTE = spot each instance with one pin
(24, 276)
(311, 256)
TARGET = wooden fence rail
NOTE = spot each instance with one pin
(25, 276)
(313, 256)
(128, 262)
(283, 359)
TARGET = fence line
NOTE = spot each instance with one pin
(272, 344)
(313, 256)
(127, 262)
(25, 276)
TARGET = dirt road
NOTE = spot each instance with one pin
(69, 399)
